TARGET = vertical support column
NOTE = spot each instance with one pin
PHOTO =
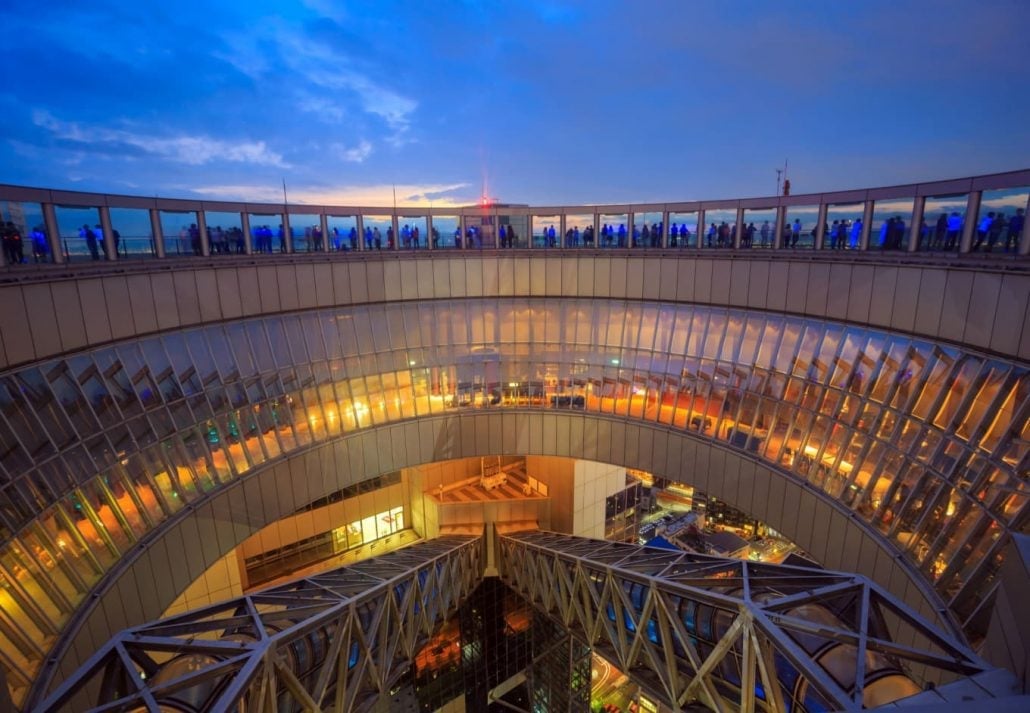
(781, 219)
(394, 223)
(323, 225)
(867, 226)
(738, 232)
(286, 244)
(665, 229)
(597, 229)
(1023, 246)
(702, 229)
(561, 232)
(157, 233)
(631, 239)
(918, 206)
(969, 226)
(53, 233)
(359, 225)
(820, 226)
(110, 251)
(463, 227)
(248, 237)
(205, 244)
(429, 231)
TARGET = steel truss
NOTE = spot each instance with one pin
(733, 634)
(335, 641)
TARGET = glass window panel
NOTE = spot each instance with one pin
(446, 231)
(891, 224)
(945, 216)
(266, 233)
(27, 218)
(683, 230)
(721, 224)
(225, 233)
(1001, 220)
(132, 233)
(580, 226)
(82, 238)
(180, 233)
(306, 232)
(843, 229)
(647, 230)
(799, 227)
(343, 233)
(759, 225)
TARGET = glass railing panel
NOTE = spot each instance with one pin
(843, 227)
(379, 232)
(647, 230)
(481, 230)
(513, 231)
(546, 231)
(945, 217)
(613, 229)
(683, 230)
(759, 226)
(225, 233)
(343, 233)
(891, 227)
(266, 233)
(413, 235)
(446, 232)
(1001, 220)
(82, 238)
(721, 222)
(580, 226)
(181, 236)
(799, 226)
(132, 233)
(306, 232)
(23, 230)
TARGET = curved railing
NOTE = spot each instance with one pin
(926, 443)
(959, 216)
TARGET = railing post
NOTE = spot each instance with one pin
(702, 230)
(914, 238)
(561, 232)
(53, 232)
(1023, 247)
(820, 226)
(781, 219)
(205, 244)
(665, 229)
(158, 233)
(110, 251)
(286, 245)
(738, 231)
(867, 226)
(359, 225)
(323, 225)
(969, 226)
(395, 224)
(597, 229)
(429, 231)
(248, 239)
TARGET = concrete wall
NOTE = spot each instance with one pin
(147, 583)
(64, 309)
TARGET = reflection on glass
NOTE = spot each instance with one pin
(759, 226)
(306, 233)
(446, 231)
(181, 234)
(32, 245)
(843, 227)
(683, 230)
(267, 234)
(647, 230)
(922, 441)
(343, 233)
(546, 231)
(1001, 221)
(945, 218)
(82, 237)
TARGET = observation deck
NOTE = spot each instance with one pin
(163, 391)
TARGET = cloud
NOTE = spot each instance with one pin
(408, 195)
(354, 154)
(190, 150)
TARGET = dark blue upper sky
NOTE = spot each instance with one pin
(543, 101)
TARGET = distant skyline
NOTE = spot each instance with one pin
(539, 101)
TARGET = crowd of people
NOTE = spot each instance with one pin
(994, 231)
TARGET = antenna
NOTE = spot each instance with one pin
(285, 202)
(779, 173)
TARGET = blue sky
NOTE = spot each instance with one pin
(544, 102)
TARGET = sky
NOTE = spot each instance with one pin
(537, 101)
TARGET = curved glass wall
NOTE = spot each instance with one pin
(926, 443)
